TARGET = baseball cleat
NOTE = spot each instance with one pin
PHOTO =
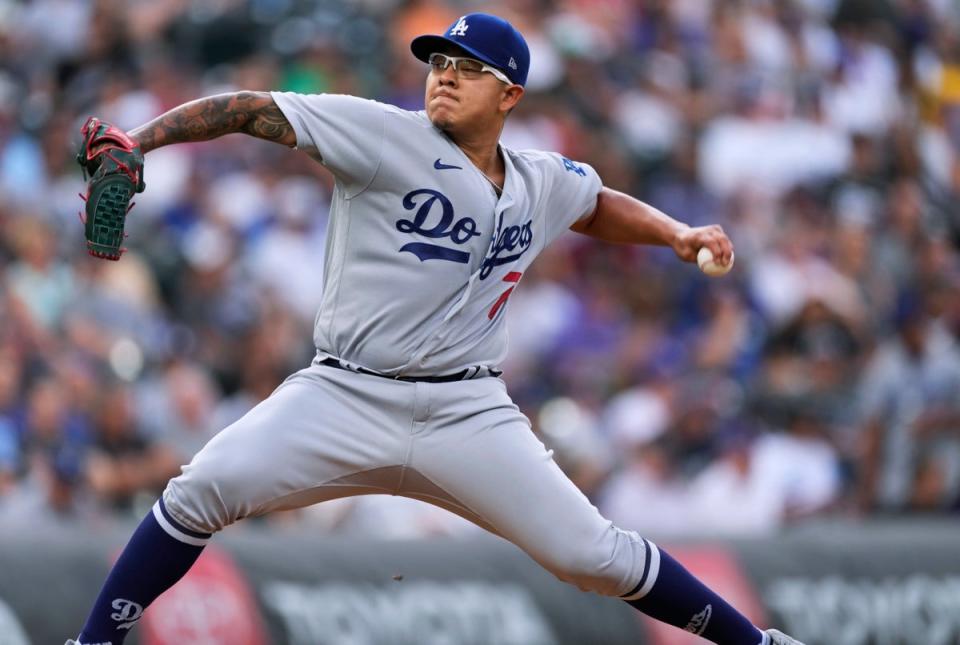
(779, 638)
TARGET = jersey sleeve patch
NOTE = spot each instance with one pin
(572, 167)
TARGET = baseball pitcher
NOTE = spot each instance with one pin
(433, 223)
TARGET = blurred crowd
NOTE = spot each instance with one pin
(821, 377)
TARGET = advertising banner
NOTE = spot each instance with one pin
(877, 584)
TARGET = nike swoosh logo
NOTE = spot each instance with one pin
(442, 166)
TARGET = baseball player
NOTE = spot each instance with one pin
(432, 225)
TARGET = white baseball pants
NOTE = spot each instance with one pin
(464, 446)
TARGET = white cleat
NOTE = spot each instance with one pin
(73, 642)
(779, 638)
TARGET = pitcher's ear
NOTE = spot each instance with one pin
(511, 96)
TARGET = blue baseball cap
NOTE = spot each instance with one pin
(487, 38)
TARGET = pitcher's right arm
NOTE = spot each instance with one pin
(253, 113)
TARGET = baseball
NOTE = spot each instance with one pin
(707, 264)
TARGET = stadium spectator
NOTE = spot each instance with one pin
(122, 460)
(823, 134)
(909, 406)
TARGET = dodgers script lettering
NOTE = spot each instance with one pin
(509, 239)
(434, 218)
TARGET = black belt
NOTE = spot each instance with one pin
(446, 378)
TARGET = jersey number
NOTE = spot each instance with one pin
(513, 276)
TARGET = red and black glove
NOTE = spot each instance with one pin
(113, 165)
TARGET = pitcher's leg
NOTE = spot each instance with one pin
(493, 465)
(505, 477)
(320, 435)
(306, 443)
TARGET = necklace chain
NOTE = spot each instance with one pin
(496, 186)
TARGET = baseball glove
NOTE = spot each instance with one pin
(113, 166)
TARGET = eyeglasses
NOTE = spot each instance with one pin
(469, 68)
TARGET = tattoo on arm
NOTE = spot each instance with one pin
(253, 113)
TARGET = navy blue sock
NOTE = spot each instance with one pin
(679, 599)
(152, 562)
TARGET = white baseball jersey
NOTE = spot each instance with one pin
(421, 258)
(421, 252)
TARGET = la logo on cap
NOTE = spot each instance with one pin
(460, 29)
